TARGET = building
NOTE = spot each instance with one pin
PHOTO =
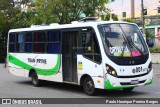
(132, 8)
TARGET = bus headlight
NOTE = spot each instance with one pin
(149, 67)
(110, 70)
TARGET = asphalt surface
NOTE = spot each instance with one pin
(20, 87)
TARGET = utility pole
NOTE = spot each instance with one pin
(132, 9)
(142, 17)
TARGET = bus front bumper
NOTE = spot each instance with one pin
(120, 83)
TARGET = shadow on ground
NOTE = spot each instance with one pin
(79, 90)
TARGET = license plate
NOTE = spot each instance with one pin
(134, 81)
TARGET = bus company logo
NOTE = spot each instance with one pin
(6, 101)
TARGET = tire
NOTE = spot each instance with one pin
(35, 81)
(128, 89)
(88, 86)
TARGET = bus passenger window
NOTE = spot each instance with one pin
(12, 38)
(20, 43)
(11, 47)
(12, 42)
(87, 42)
(28, 47)
(53, 42)
(29, 42)
(39, 42)
(90, 46)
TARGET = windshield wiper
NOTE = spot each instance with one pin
(132, 44)
(125, 39)
(124, 46)
(129, 44)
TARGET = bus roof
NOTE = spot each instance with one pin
(73, 24)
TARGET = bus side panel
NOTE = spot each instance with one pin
(43, 64)
(58, 77)
(94, 70)
(15, 70)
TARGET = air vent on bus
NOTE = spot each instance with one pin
(88, 19)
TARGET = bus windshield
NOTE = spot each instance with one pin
(122, 40)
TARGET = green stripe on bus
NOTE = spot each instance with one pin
(148, 83)
(17, 62)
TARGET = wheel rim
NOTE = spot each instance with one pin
(35, 79)
(89, 85)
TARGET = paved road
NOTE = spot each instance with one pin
(20, 87)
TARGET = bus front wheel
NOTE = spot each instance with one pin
(35, 80)
(88, 86)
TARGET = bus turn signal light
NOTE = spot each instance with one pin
(98, 81)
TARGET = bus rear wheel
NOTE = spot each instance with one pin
(35, 81)
(88, 86)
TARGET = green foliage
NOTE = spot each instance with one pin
(155, 49)
(41, 13)
(115, 18)
(10, 17)
(130, 20)
(106, 17)
(6, 4)
(149, 35)
(65, 11)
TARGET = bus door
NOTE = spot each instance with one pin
(69, 55)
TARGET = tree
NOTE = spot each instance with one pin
(5, 6)
(106, 17)
(149, 37)
(115, 17)
(10, 17)
(65, 11)
(130, 20)
(41, 12)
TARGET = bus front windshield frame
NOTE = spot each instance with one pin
(122, 40)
